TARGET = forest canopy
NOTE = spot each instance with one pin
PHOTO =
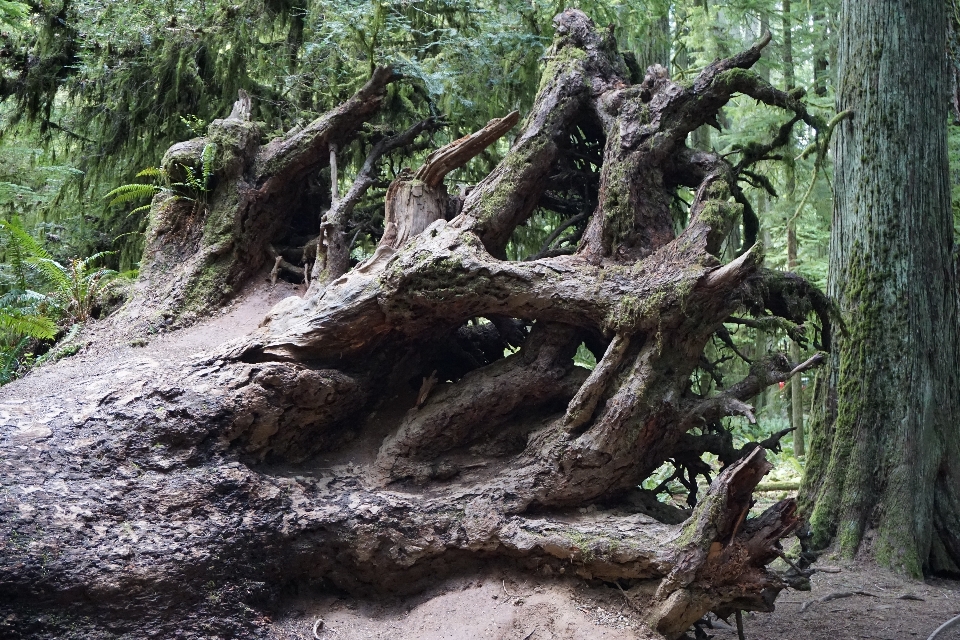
(94, 93)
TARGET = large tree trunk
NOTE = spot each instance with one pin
(884, 455)
(437, 451)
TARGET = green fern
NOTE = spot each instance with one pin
(29, 326)
(196, 182)
(78, 284)
(152, 172)
(74, 286)
(139, 190)
(12, 13)
(10, 360)
(207, 158)
(27, 255)
(130, 192)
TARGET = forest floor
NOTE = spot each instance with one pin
(849, 600)
(503, 605)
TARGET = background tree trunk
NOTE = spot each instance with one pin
(789, 84)
(884, 456)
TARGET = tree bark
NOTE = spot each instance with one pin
(884, 454)
(789, 82)
(436, 450)
(202, 245)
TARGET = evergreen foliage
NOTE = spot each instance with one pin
(70, 291)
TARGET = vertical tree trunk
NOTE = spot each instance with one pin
(789, 81)
(885, 453)
(655, 48)
(821, 64)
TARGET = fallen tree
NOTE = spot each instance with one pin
(450, 365)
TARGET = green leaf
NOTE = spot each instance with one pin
(130, 192)
(27, 325)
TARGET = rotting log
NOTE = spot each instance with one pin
(422, 413)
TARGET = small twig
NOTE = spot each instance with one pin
(556, 234)
(736, 528)
(952, 622)
(725, 337)
(813, 361)
(512, 595)
(428, 384)
(625, 596)
(784, 557)
(835, 595)
(821, 153)
(276, 270)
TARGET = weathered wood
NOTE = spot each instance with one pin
(293, 529)
(497, 453)
(415, 202)
(199, 252)
(333, 249)
(456, 154)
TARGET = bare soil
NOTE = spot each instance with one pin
(499, 603)
(503, 605)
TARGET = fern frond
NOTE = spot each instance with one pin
(24, 302)
(23, 240)
(152, 172)
(11, 12)
(129, 192)
(139, 209)
(10, 360)
(53, 272)
(25, 253)
(27, 325)
(207, 157)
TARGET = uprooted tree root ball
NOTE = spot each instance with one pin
(482, 456)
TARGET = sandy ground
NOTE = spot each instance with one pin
(498, 603)
(505, 605)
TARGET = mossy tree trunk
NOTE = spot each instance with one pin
(442, 376)
(789, 83)
(883, 474)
